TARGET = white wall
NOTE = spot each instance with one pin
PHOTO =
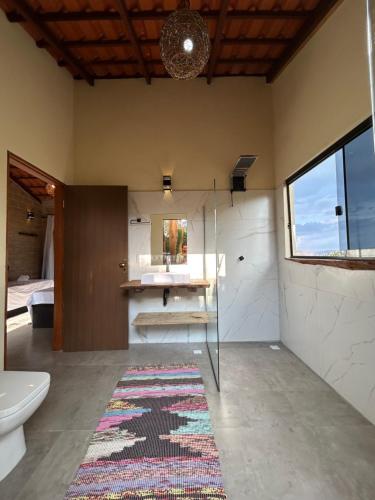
(36, 120)
(144, 204)
(248, 290)
(327, 318)
(327, 315)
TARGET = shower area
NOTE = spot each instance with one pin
(241, 266)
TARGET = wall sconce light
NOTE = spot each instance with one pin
(30, 215)
(167, 183)
(50, 188)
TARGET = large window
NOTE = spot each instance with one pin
(332, 201)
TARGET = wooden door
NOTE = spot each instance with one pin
(95, 264)
(58, 244)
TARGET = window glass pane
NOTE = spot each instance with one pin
(317, 230)
(360, 179)
(341, 202)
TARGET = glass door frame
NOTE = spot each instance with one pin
(216, 372)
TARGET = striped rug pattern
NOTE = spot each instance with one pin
(154, 441)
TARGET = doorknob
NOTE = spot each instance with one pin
(124, 266)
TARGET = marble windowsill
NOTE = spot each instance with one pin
(353, 264)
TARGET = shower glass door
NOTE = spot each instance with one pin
(211, 274)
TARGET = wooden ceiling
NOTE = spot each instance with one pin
(33, 185)
(108, 39)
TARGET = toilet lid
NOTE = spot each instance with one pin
(19, 388)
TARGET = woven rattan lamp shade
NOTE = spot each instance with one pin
(184, 43)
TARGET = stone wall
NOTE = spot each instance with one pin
(25, 253)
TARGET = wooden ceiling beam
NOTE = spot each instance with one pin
(157, 15)
(126, 21)
(78, 44)
(15, 170)
(155, 75)
(324, 8)
(307, 21)
(233, 60)
(30, 17)
(218, 36)
(24, 187)
(23, 179)
(15, 162)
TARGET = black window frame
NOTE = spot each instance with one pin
(331, 150)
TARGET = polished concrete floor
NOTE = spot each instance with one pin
(281, 431)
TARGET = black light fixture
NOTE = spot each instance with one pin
(167, 183)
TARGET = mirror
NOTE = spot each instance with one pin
(174, 241)
(169, 239)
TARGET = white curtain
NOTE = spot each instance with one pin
(48, 255)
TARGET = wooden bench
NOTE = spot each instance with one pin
(171, 318)
(137, 286)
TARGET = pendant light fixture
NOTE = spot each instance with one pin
(184, 43)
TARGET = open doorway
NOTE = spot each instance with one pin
(34, 259)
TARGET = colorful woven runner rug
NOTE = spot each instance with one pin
(154, 441)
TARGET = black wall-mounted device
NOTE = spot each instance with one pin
(238, 184)
(239, 173)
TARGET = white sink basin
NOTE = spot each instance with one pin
(165, 278)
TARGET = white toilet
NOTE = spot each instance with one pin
(21, 393)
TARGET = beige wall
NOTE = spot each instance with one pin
(36, 119)
(324, 92)
(326, 314)
(131, 133)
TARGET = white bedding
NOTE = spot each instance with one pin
(46, 296)
(19, 292)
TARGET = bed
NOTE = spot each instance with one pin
(19, 293)
(40, 305)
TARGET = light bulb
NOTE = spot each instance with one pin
(188, 45)
(50, 188)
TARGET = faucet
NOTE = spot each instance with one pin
(168, 262)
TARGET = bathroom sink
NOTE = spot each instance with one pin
(165, 278)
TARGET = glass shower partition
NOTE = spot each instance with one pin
(211, 274)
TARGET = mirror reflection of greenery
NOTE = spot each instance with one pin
(175, 240)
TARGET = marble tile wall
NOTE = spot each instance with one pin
(248, 289)
(327, 318)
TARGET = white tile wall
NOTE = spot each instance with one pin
(248, 290)
(327, 318)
